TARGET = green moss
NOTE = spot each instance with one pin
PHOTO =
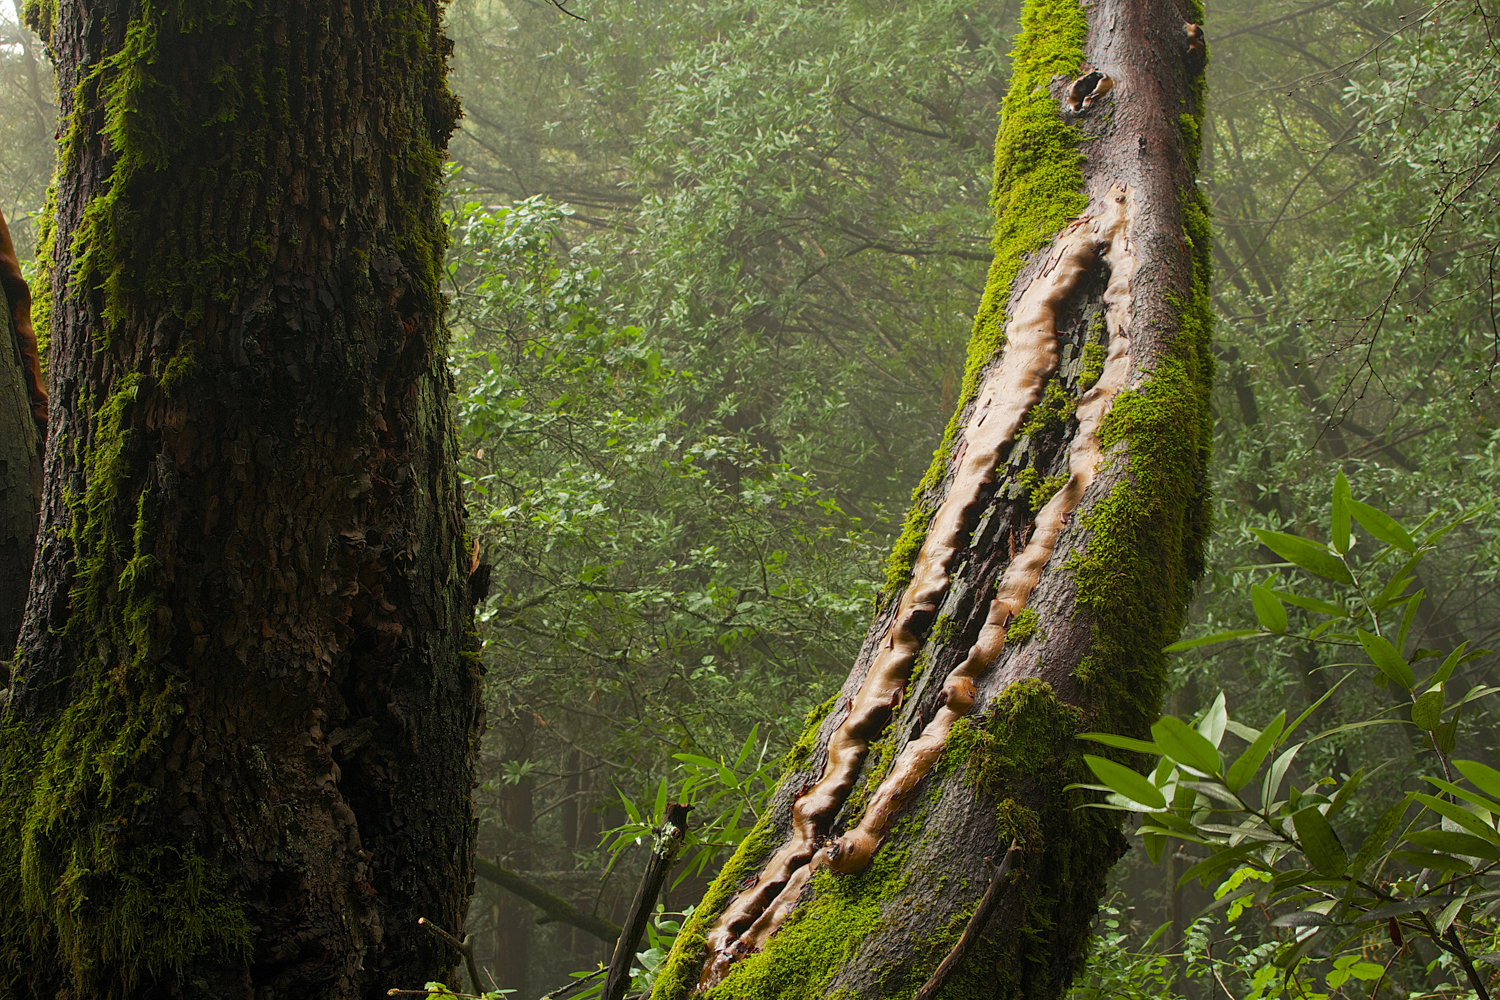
(1038, 189)
(1037, 490)
(1145, 549)
(1023, 626)
(1057, 406)
(679, 974)
(801, 751)
(1094, 356)
(822, 934)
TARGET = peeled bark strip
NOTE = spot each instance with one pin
(237, 758)
(1067, 519)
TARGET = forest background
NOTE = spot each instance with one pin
(713, 271)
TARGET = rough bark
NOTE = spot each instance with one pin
(20, 447)
(1049, 557)
(239, 751)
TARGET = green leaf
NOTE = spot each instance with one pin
(1450, 912)
(1459, 815)
(1278, 772)
(1186, 745)
(1341, 797)
(1488, 805)
(1123, 743)
(1209, 640)
(1446, 735)
(1446, 670)
(1312, 604)
(1310, 556)
(1126, 782)
(1320, 843)
(1245, 766)
(1455, 843)
(1385, 657)
(1214, 720)
(1427, 710)
(697, 760)
(1269, 611)
(1155, 843)
(1382, 526)
(1481, 776)
(661, 802)
(1340, 532)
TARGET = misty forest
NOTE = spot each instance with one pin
(751, 499)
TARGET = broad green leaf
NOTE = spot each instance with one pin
(1446, 735)
(1214, 720)
(661, 802)
(1209, 640)
(1269, 611)
(1320, 843)
(1310, 556)
(1186, 745)
(1385, 657)
(1450, 912)
(1393, 589)
(1340, 532)
(1126, 782)
(1155, 843)
(1427, 710)
(1245, 766)
(1459, 815)
(1437, 862)
(1307, 918)
(1482, 776)
(1123, 743)
(1380, 524)
(1278, 772)
(1488, 805)
(1455, 843)
(696, 760)
(1311, 604)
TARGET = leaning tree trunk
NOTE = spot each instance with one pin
(1049, 557)
(239, 750)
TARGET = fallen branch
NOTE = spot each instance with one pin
(975, 927)
(555, 907)
(658, 866)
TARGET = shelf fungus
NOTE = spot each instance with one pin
(1015, 385)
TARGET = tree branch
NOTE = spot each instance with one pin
(555, 907)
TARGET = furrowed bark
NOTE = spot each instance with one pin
(237, 758)
(1049, 557)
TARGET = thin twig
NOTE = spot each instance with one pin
(987, 904)
(576, 984)
(464, 948)
(658, 866)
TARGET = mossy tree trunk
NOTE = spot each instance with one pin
(239, 751)
(1048, 558)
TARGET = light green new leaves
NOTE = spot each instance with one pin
(1269, 611)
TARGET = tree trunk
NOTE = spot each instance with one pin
(21, 394)
(239, 751)
(1049, 556)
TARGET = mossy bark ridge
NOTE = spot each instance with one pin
(237, 758)
(1049, 556)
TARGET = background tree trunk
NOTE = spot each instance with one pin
(238, 758)
(20, 452)
(1049, 556)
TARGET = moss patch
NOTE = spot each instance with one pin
(1023, 627)
(822, 934)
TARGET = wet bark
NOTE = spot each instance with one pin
(238, 756)
(1032, 613)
